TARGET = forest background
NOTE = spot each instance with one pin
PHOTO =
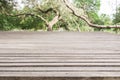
(58, 15)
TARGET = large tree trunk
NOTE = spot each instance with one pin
(83, 17)
(51, 23)
(49, 29)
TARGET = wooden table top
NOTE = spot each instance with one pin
(59, 54)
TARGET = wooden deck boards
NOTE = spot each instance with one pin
(59, 54)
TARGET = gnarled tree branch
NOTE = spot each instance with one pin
(49, 24)
(54, 20)
(86, 19)
(46, 11)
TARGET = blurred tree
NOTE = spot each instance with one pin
(116, 16)
(85, 18)
(6, 6)
(55, 14)
(48, 13)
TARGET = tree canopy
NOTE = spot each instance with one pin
(78, 15)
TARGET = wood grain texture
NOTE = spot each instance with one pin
(59, 54)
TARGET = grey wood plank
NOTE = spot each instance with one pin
(61, 61)
(60, 69)
(59, 74)
(64, 64)
(98, 51)
(59, 54)
(82, 57)
(60, 57)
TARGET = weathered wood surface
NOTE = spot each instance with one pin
(59, 54)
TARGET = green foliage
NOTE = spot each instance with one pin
(116, 16)
(6, 6)
(106, 19)
(88, 5)
(89, 8)
(7, 22)
(30, 22)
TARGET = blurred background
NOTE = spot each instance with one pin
(54, 15)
